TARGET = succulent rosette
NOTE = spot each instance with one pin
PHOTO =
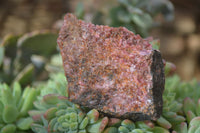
(56, 114)
(14, 107)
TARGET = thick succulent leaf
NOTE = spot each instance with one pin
(50, 113)
(79, 12)
(38, 42)
(10, 44)
(50, 99)
(176, 120)
(111, 130)
(198, 108)
(123, 129)
(181, 128)
(10, 113)
(188, 105)
(141, 125)
(1, 108)
(192, 129)
(9, 128)
(24, 123)
(159, 130)
(6, 95)
(123, 16)
(28, 103)
(26, 75)
(84, 123)
(143, 21)
(164, 6)
(189, 116)
(113, 15)
(138, 131)
(98, 126)
(17, 91)
(114, 122)
(93, 116)
(128, 124)
(195, 122)
(164, 123)
(37, 128)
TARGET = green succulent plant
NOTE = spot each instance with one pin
(136, 15)
(24, 57)
(191, 111)
(56, 114)
(57, 84)
(14, 107)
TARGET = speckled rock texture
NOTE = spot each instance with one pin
(112, 70)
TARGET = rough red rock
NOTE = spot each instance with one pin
(111, 69)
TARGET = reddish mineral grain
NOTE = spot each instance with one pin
(111, 69)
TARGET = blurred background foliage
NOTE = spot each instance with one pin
(178, 30)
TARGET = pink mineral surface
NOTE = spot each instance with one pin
(110, 69)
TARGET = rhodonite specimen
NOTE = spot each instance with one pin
(111, 69)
